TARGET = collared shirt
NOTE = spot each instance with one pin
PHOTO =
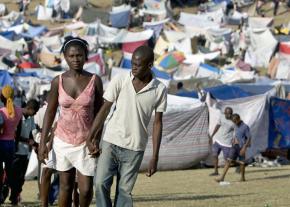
(27, 126)
(242, 133)
(225, 133)
(127, 127)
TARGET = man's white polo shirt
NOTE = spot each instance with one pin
(127, 127)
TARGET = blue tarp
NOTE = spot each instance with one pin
(225, 92)
(34, 31)
(126, 63)
(161, 74)
(254, 89)
(222, 92)
(220, 1)
(120, 19)
(210, 68)
(8, 35)
(5, 78)
(279, 123)
(27, 74)
(191, 94)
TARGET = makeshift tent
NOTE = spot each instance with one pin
(234, 76)
(184, 138)
(186, 71)
(221, 92)
(156, 9)
(253, 111)
(197, 21)
(261, 48)
(259, 22)
(120, 18)
(44, 13)
(8, 35)
(206, 70)
(157, 27)
(12, 45)
(32, 31)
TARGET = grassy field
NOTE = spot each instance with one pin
(265, 187)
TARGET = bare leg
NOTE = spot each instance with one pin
(85, 184)
(226, 168)
(215, 165)
(67, 180)
(76, 196)
(45, 186)
(243, 169)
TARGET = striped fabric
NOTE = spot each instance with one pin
(184, 140)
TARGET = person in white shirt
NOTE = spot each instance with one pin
(137, 95)
(223, 134)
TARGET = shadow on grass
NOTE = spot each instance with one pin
(155, 197)
(271, 177)
(265, 170)
(179, 197)
(28, 204)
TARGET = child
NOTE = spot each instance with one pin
(242, 140)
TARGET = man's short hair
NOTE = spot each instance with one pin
(236, 116)
(229, 108)
(146, 52)
(33, 104)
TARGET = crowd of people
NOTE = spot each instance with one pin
(66, 133)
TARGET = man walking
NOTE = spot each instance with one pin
(223, 134)
(136, 95)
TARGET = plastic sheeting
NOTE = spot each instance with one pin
(12, 45)
(279, 123)
(206, 70)
(184, 139)
(235, 76)
(34, 31)
(120, 19)
(5, 78)
(261, 49)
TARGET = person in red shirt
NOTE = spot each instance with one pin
(11, 116)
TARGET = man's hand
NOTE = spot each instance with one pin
(42, 153)
(31, 142)
(152, 168)
(210, 140)
(93, 146)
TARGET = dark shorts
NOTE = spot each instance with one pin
(217, 148)
(235, 153)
